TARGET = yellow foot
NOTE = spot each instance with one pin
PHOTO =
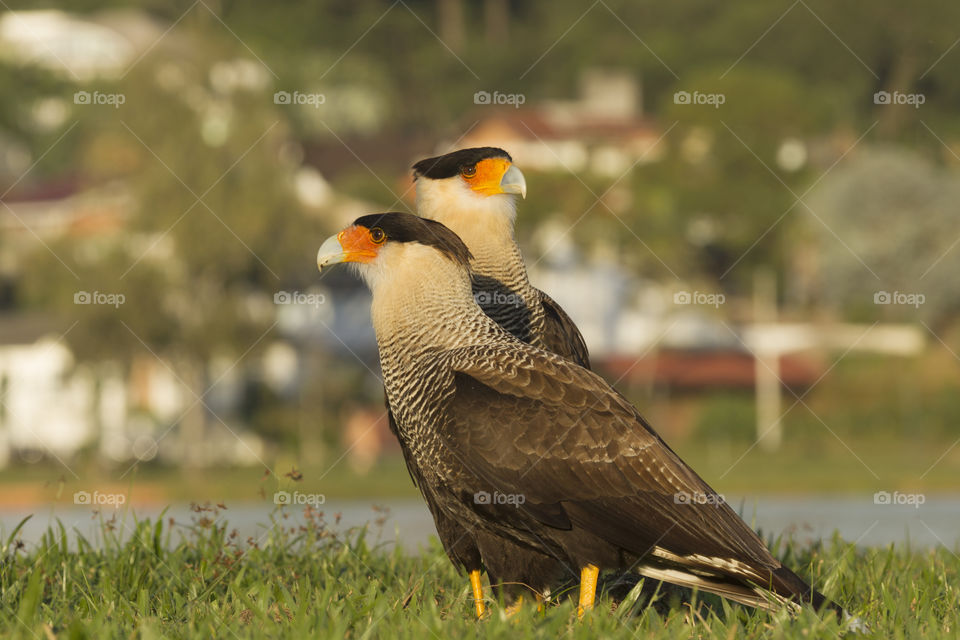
(514, 608)
(588, 588)
(477, 587)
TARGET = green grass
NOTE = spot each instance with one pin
(193, 580)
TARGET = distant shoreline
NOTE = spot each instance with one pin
(807, 520)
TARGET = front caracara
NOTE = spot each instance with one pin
(570, 467)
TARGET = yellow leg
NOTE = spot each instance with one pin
(514, 609)
(588, 588)
(477, 591)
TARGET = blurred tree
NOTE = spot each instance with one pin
(886, 224)
(197, 276)
(213, 230)
(33, 116)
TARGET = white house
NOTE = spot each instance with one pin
(46, 408)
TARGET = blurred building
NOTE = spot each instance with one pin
(603, 132)
(79, 47)
(52, 406)
(44, 407)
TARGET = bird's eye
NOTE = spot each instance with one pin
(377, 235)
(469, 172)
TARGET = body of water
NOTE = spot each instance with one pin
(921, 522)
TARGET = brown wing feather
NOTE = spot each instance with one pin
(561, 335)
(531, 423)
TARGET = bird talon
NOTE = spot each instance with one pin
(514, 608)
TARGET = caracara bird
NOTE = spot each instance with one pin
(519, 443)
(473, 193)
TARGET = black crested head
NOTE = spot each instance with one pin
(449, 165)
(406, 227)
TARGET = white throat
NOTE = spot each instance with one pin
(422, 296)
(484, 223)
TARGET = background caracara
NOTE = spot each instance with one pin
(473, 193)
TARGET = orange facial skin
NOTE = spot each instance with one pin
(486, 176)
(359, 243)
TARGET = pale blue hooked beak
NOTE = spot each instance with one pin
(514, 182)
